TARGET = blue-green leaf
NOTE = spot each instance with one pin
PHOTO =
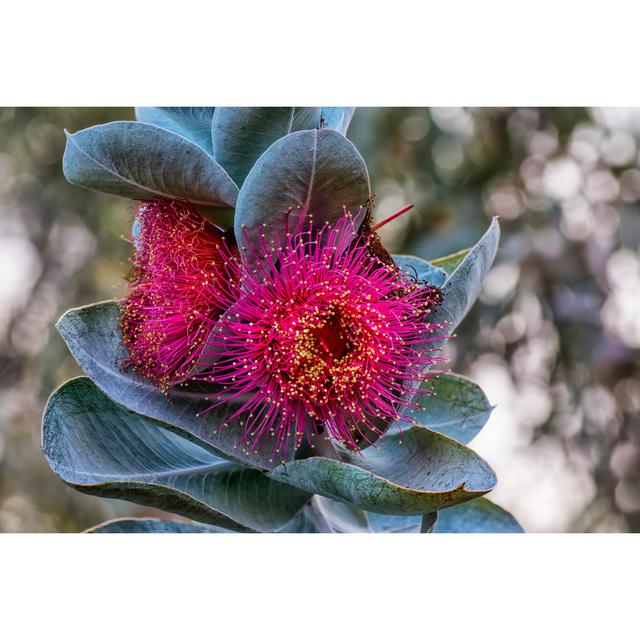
(306, 521)
(101, 448)
(428, 522)
(323, 515)
(420, 269)
(449, 263)
(381, 523)
(242, 134)
(142, 161)
(193, 123)
(338, 517)
(328, 516)
(477, 516)
(464, 284)
(152, 525)
(93, 337)
(410, 474)
(337, 118)
(455, 406)
(312, 173)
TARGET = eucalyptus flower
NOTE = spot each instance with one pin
(272, 367)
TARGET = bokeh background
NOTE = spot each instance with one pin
(554, 339)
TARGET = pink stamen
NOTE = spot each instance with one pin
(178, 287)
(324, 338)
(393, 216)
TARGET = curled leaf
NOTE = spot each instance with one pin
(413, 473)
(152, 525)
(338, 118)
(477, 516)
(454, 406)
(101, 448)
(317, 174)
(193, 123)
(143, 162)
(242, 134)
(93, 336)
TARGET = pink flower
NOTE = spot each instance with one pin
(326, 337)
(177, 289)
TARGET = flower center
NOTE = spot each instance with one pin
(325, 353)
(332, 340)
(317, 345)
(326, 338)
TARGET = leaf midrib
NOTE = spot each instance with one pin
(196, 470)
(153, 191)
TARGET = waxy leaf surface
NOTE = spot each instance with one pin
(463, 286)
(316, 173)
(413, 473)
(152, 525)
(143, 162)
(338, 118)
(242, 134)
(94, 339)
(322, 515)
(193, 123)
(454, 406)
(449, 263)
(477, 516)
(420, 270)
(103, 449)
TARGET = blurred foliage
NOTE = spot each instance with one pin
(59, 246)
(555, 338)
